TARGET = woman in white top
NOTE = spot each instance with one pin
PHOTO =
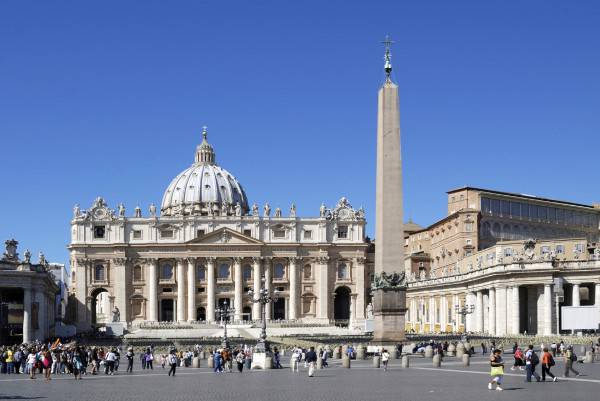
(385, 357)
(31, 363)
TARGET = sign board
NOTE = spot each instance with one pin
(580, 318)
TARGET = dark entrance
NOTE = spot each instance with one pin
(200, 314)
(341, 305)
(279, 309)
(11, 316)
(247, 313)
(166, 310)
(95, 295)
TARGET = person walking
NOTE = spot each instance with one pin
(519, 360)
(531, 361)
(497, 370)
(385, 357)
(78, 367)
(31, 362)
(240, 358)
(547, 363)
(294, 360)
(311, 358)
(111, 358)
(149, 357)
(570, 357)
(47, 364)
(130, 355)
(172, 362)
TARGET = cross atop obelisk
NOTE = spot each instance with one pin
(389, 292)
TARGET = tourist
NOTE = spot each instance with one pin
(163, 360)
(311, 359)
(143, 360)
(129, 355)
(553, 348)
(570, 357)
(172, 362)
(31, 362)
(240, 358)
(78, 366)
(497, 370)
(47, 363)
(531, 361)
(519, 359)
(95, 360)
(385, 357)
(324, 359)
(483, 349)
(515, 347)
(149, 357)
(217, 361)
(295, 358)
(547, 363)
(111, 358)
(277, 357)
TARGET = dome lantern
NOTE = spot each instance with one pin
(204, 152)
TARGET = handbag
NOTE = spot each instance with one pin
(497, 371)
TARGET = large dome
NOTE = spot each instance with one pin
(204, 188)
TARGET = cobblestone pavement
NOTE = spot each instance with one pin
(362, 383)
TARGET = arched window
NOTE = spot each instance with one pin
(496, 230)
(247, 272)
(278, 271)
(342, 272)
(99, 272)
(200, 273)
(138, 273)
(486, 229)
(223, 271)
(166, 271)
(307, 272)
(506, 234)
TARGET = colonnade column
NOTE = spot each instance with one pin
(237, 288)
(27, 304)
(268, 286)
(470, 321)
(516, 313)
(443, 312)
(501, 311)
(596, 295)
(153, 290)
(180, 290)
(293, 305)
(479, 312)
(575, 297)
(454, 314)
(191, 289)
(210, 289)
(431, 314)
(547, 309)
(492, 313)
(256, 281)
(323, 288)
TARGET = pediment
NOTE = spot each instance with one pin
(225, 236)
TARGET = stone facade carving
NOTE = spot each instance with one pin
(386, 281)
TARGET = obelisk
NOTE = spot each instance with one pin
(389, 291)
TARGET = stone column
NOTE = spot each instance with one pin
(443, 313)
(575, 297)
(180, 290)
(597, 295)
(238, 286)
(501, 311)
(360, 288)
(479, 312)
(40, 298)
(153, 290)
(486, 315)
(268, 286)
(547, 309)
(210, 289)
(470, 321)
(119, 282)
(431, 318)
(256, 281)
(27, 304)
(323, 288)
(352, 319)
(516, 315)
(492, 313)
(83, 311)
(191, 289)
(455, 315)
(293, 305)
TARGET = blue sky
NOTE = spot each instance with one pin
(108, 98)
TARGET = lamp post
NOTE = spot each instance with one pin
(263, 298)
(464, 311)
(225, 311)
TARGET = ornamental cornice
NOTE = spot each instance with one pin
(257, 259)
(119, 261)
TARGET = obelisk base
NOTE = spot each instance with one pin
(388, 315)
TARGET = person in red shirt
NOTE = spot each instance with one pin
(547, 363)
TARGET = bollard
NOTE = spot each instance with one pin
(202, 355)
(429, 351)
(319, 363)
(269, 362)
(361, 352)
(451, 350)
(376, 361)
(460, 350)
(211, 362)
(437, 361)
(589, 357)
(405, 361)
(346, 362)
(337, 354)
(467, 347)
(466, 360)
(196, 362)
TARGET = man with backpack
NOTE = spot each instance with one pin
(531, 361)
(570, 357)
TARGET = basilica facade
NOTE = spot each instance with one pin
(207, 245)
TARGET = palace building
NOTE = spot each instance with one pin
(207, 245)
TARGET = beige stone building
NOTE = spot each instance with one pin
(206, 245)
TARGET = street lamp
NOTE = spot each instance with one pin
(263, 298)
(225, 312)
(464, 310)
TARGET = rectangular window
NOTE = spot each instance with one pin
(560, 216)
(542, 213)
(99, 231)
(579, 248)
(524, 211)
(533, 212)
(166, 234)
(200, 273)
(342, 232)
(248, 233)
(560, 249)
(278, 233)
(167, 289)
(137, 234)
(469, 227)
(307, 234)
(505, 208)
(468, 252)
(495, 207)
(200, 233)
(469, 241)
(201, 289)
(508, 252)
(515, 209)
(486, 207)
(552, 215)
